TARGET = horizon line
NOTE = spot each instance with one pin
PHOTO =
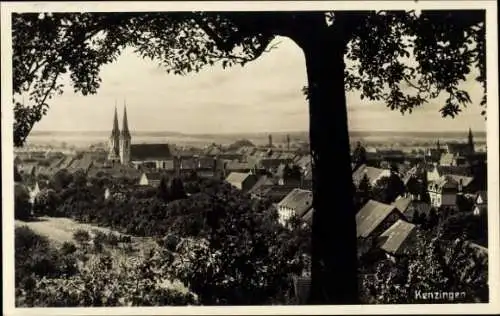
(260, 132)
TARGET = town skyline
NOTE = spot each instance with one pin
(264, 95)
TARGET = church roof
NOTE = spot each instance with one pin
(143, 152)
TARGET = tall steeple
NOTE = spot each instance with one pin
(125, 130)
(114, 140)
(471, 142)
(125, 138)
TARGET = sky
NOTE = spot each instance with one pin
(263, 96)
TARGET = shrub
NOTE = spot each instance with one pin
(34, 257)
(22, 205)
(81, 236)
(68, 248)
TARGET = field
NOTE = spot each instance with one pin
(61, 229)
(395, 138)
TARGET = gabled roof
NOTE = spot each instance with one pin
(402, 203)
(236, 165)
(395, 239)
(463, 180)
(206, 163)
(262, 181)
(371, 172)
(236, 178)
(308, 215)
(458, 148)
(456, 170)
(151, 176)
(371, 215)
(142, 152)
(421, 207)
(446, 159)
(483, 195)
(298, 200)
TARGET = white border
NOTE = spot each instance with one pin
(492, 143)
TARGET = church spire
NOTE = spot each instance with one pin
(114, 139)
(125, 130)
(471, 142)
(115, 131)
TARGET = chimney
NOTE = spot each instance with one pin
(288, 142)
(270, 140)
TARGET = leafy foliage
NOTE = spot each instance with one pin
(444, 44)
(100, 280)
(34, 257)
(435, 266)
(46, 203)
(22, 205)
(387, 189)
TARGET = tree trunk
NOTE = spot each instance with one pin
(334, 253)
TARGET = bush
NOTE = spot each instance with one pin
(105, 282)
(35, 257)
(22, 205)
(81, 236)
(68, 248)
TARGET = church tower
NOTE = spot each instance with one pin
(125, 139)
(471, 142)
(114, 140)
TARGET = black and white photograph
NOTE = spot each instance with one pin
(216, 154)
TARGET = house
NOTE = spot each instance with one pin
(447, 159)
(242, 181)
(417, 207)
(308, 216)
(296, 203)
(261, 182)
(459, 149)
(402, 203)
(433, 173)
(153, 155)
(34, 191)
(464, 182)
(373, 219)
(443, 192)
(275, 193)
(237, 166)
(480, 203)
(397, 240)
(373, 174)
(151, 179)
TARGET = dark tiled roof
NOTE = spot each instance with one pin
(370, 216)
(415, 206)
(263, 180)
(142, 152)
(308, 216)
(395, 239)
(371, 172)
(236, 165)
(458, 148)
(298, 200)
